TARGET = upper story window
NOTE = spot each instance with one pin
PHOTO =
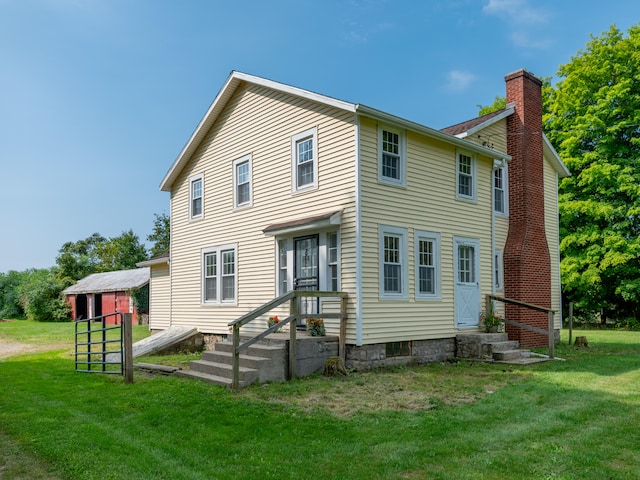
(219, 275)
(242, 182)
(304, 155)
(196, 194)
(393, 263)
(427, 251)
(500, 190)
(391, 162)
(466, 170)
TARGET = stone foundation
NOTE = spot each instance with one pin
(367, 357)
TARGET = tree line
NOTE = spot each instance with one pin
(36, 293)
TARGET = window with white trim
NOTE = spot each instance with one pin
(391, 162)
(196, 196)
(498, 272)
(393, 263)
(332, 261)
(427, 251)
(500, 190)
(282, 267)
(242, 181)
(219, 275)
(466, 176)
(304, 153)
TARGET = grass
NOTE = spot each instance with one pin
(575, 419)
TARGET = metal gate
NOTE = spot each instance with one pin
(99, 344)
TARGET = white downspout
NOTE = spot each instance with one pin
(358, 235)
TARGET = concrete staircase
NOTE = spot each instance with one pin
(495, 347)
(264, 361)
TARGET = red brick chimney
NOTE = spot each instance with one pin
(527, 264)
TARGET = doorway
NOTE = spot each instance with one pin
(306, 272)
(467, 285)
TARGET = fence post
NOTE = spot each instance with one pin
(128, 347)
(236, 357)
(570, 322)
(343, 329)
(293, 325)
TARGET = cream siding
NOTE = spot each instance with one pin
(553, 236)
(257, 121)
(427, 203)
(159, 297)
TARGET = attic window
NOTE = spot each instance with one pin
(195, 196)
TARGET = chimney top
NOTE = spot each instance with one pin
(522, 73)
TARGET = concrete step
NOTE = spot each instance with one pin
(255, 350)
(246, 375)
(504, 346)
(205, 377)
(509, 355)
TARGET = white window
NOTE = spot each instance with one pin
(391, 162)
(196, 196)
(242, 181)
(500, 190)
(283, 285)
(304, 153)
(498, 272)
(219, 275)
(332, 262)
(427, 251)
(393, 263)
(466, 178)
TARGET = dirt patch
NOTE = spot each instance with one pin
(11, 349)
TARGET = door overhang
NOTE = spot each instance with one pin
(305, 224)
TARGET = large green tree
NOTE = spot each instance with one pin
(160, 235)
(593, 119)
(121, 253)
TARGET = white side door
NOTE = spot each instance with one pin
(467, 284)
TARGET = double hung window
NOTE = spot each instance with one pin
(427, 252)
(219, 275)
(242, 181)
(196, 196)
(466, 169)
(393, 263)
(304, 153)
(391, 157)
(500, 190)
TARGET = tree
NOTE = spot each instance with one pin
(40, 296)
(160, 235)
(593, 120)
(121, 253)
(498, 104)
(79, 259)
(9, 297)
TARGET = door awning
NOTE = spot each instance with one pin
(303, 224)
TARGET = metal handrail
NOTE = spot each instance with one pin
(295, 315)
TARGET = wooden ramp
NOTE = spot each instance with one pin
(157, 342)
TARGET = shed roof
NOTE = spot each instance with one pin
(121, 280)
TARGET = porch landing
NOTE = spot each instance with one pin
(493, 347)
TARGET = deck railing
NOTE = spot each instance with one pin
(550, 332)
(294, 315)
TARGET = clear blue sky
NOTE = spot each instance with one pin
(98, 97)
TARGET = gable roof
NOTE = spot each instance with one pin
(469, 127)
(120, 280)
(236, 78)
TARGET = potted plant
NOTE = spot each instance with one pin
(491, 321)
(274, 320)
(315, 327)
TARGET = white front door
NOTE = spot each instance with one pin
(467, 284)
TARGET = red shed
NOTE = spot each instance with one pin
(103, 293)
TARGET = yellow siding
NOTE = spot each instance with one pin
(494, 136)
(427, 203)
(159, 297)
(260, 122)
(553, 236)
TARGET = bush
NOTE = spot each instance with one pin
(41, 297)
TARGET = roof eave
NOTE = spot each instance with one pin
(431, 132)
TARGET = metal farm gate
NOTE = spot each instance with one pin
(103, 346)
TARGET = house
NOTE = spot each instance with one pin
(105, 293)
(280, 188)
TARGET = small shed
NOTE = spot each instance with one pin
(104, 293)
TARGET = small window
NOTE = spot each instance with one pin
(304, 160)
(195, 196)
(242, 181)
(332, 261)
(466, 168)
(427, 251)
(393, 263)
(391, 162)
(500, 190)
(219, 275)
(283, 286)
(398, 349)
(466, 264)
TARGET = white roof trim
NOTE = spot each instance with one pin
(153, 261)
(430, 132)
(509, 110)
(229, 87)
(554, 158)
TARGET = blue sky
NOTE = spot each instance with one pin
(98, 97)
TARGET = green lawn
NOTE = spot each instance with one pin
(575, 419)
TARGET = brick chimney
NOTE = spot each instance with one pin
(527, 264)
